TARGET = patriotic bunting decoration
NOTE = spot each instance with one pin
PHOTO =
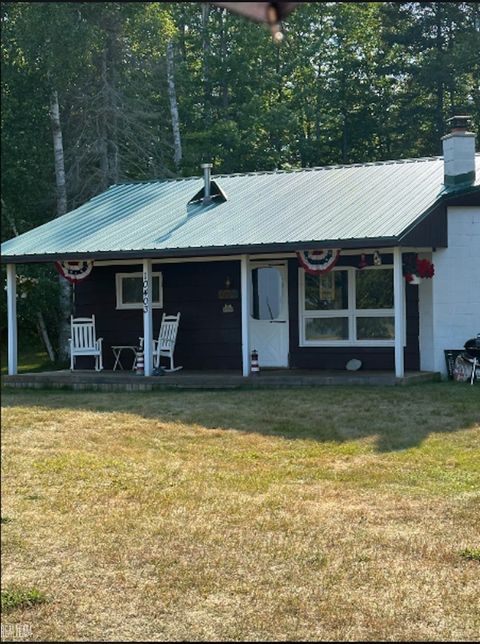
(74, 271)
(318, 261)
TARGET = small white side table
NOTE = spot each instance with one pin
(117, 352)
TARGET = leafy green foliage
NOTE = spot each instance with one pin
(37, 292)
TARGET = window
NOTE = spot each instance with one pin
(267, 293)
(130, 290)
(347, 307)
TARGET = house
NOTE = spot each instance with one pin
(309, 267)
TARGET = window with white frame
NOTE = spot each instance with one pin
(347, 307)
(129, 288)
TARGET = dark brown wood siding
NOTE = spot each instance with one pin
(432, 229)
(430, 232)
(207, 338)
(470, 199)
(374, 358)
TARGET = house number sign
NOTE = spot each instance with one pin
(145, 293)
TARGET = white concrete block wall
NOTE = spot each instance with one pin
(425, 313)
(450, 303)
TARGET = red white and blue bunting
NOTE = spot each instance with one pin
(74, 271)
(318, 261)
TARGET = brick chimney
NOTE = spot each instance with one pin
(459, 153)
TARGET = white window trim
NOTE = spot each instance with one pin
(351, 313)
(133, 305)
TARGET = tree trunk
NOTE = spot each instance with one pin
(8, 216)
(440, 89)
(103, 141)
(223, 53)
(344, 138)
(172, 95)
(111, 92)
(58, 153)
(65, 289)
(206, 53)
(42, 331)
(183, 46)
(108, 117)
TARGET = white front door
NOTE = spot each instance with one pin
(269, 313)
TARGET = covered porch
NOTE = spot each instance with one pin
(222, 322)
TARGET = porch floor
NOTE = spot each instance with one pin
(129, 381)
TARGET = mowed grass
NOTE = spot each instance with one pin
(32, 356)
(295, 514)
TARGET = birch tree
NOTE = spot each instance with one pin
(65, 293)
(172, 95)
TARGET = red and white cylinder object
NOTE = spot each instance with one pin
(139, 367)
(254, 366)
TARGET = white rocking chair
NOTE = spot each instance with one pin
(165, 345)
(83, 341)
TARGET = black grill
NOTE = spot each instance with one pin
(472, 348)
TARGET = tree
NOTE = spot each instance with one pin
(41, 34)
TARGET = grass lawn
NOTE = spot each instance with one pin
(32, 357)
(301, 514)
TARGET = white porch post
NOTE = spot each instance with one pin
(399, 307)
(245, 290)
(147, 317)
(12, 319)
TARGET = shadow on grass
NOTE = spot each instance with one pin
(396, 418)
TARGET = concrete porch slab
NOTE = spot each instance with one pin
(268, 378)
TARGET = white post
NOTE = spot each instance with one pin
(12, 319)
(245, 290)
(399, 308)
(147, 317)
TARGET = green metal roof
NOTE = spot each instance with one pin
(338, 205)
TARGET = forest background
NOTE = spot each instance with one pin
(96, 93)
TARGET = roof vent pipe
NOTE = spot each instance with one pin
(459, 153)
(206, 167)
